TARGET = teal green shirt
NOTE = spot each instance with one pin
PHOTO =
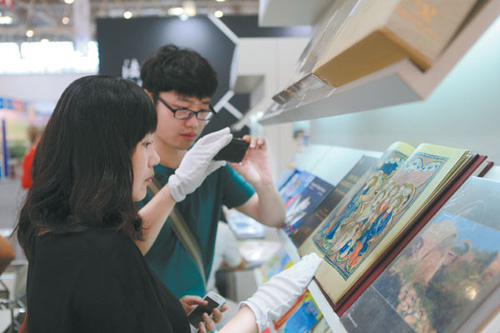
(201, 210)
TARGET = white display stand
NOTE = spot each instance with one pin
(324, 162)
(400, 83)
(314, 160)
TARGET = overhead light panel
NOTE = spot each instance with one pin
(189, 8)
(127, 14)
(218, 13)
(175, 11)
(69, 2)
(6, 20)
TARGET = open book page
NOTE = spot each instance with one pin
(314, 219)
(446, 276)
(395, 155)
(359, 231)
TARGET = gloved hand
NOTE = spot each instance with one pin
(198, 163)
(275, 297)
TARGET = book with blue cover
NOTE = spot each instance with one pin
(323, 209)
(301, 317)
(305, 202)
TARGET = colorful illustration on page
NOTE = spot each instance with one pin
(356, 229)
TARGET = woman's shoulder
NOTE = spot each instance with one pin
(89, 243)
(110, 242)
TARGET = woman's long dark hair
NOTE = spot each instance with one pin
(82, 169)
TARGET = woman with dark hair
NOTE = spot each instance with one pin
(79, 222)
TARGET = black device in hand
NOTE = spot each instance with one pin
(214, 301)
(233, 152)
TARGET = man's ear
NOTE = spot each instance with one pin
(150, 95)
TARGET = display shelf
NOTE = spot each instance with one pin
(290, 12)
(493, 173)
(329, 155)
(323, 304)
(330, 316)
(400, 83)
(288, 245)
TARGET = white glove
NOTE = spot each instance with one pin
(274, 298)
(197, 164)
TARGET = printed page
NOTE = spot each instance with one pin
(359, 231)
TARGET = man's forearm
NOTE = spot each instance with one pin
(271, 208)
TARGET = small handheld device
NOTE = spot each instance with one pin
(233, 152)
(214, 301)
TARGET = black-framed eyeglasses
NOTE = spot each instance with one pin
(184, 113)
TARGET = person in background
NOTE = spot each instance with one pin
(181, 83)
(79, 222)
(226, 256)
(34, 134)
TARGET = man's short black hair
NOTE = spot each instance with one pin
(179, 69)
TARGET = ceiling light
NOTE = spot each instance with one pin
(30, 33)
(175, 11)
(65, 20)
(220, 0)
(44, 40)
(219, 13)
(69, 2)
(127, 14)
(189, 8)
(6, 20)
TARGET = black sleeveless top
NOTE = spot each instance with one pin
(97, 281)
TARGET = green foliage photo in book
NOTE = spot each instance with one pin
(445, 278)
(376, 211)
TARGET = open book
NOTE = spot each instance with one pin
(316, 216)
(379, 210)
(447, 279)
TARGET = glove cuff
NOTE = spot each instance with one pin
(260, 318)
(174, 186)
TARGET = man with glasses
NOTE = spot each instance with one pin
(181, 83)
